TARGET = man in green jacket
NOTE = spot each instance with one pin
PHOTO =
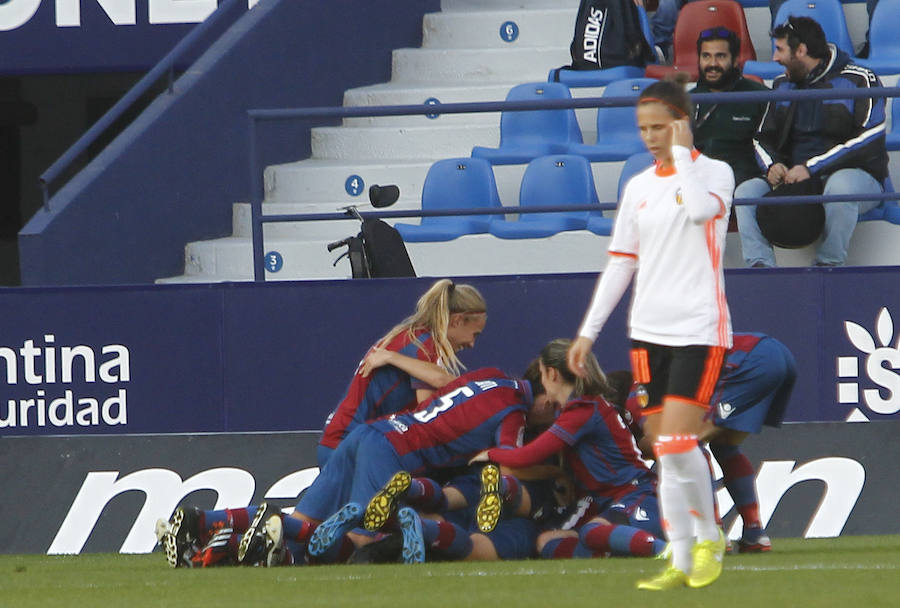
(725, 131)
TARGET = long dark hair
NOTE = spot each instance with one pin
(594, 383)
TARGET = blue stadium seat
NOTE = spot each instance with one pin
(617, 134)
(892, 139)
(454, 183)
(828, 13)
(601, 78)
(635, 164)
(526, 135)
(884, 44)
(561, 179)
(888, 210)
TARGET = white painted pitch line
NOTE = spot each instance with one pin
(336, 576)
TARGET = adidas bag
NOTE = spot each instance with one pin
(608, 34)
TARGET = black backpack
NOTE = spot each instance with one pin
(608, 34)
(379, 252)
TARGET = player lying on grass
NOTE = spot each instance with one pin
(597, 446)
(599, 449)
(410, 362)
(480, 409)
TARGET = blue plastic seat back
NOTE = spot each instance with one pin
(892, 139)
(454, 183)
(887, 210)
(634, 164)
(561, 179)
(828, 13)
(618, 124)
(556, 126)
(884, 43)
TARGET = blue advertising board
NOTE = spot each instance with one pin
(94, 35)
(278, 356)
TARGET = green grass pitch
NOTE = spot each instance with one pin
(847, 572)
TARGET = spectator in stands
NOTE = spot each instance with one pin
(662, 25)
(669, 237)
(863, 52)
(840, 141)
(416, 357)
(725, 131)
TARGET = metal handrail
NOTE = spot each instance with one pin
(165, 66)
(320, 113)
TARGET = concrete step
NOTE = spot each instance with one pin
(391, 94)
(525, 64)
(231, 258)
(326, 230)
(499, 29)
(314, 182)
(381, 143)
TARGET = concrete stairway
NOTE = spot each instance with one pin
(464, 58)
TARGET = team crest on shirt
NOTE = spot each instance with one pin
(678, 199)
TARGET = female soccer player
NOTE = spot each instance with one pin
(669, 236)
(600, 451)
(412, 360)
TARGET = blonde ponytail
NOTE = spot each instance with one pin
(433, 311)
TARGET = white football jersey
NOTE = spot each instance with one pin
(673, 222)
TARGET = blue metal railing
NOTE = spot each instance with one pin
(266, 115)
(165, 67)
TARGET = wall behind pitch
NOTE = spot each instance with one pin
(172, 176)
(278, 356)
(118, 403)
(103, 494)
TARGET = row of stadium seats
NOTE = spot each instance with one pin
(694, 17)
(525, 135)
(553, 180)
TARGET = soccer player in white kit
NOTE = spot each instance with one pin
(669, 236)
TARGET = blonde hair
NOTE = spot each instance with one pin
(594, 383)
(433, 311)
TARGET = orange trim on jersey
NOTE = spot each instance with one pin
(715, 256)
(640, 365)
(623, 254)
(674, 444)
(666, 172)
(711, 372)
(721, 205)
(685, 400)
(650, 411)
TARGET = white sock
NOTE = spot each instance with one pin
(685, 496)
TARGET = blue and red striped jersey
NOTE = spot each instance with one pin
(598, 447)
(478, 410)
(386, 391)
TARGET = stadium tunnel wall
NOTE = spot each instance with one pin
(119, 401)
(172, 176)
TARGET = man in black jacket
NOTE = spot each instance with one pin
(725, 131)
(840, 141)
